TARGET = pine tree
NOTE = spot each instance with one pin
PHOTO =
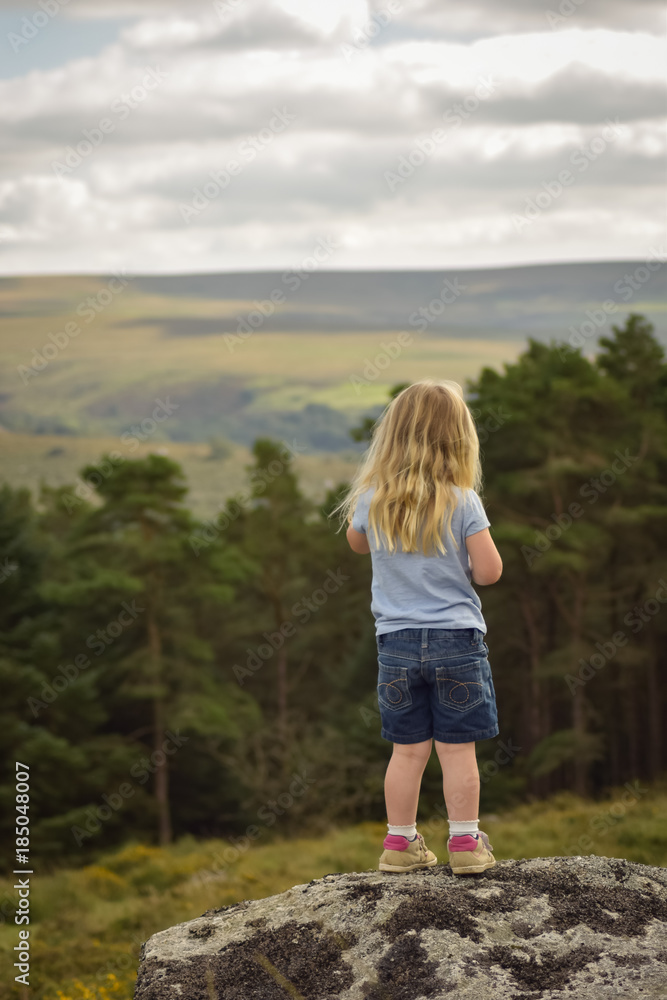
(134, 552)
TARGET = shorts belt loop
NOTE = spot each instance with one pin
(424, 638)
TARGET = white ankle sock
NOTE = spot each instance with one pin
(460, 827)
(403, 831)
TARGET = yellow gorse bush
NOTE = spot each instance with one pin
(104, 883)
(136, 854)
(96, 873)
(111, 991)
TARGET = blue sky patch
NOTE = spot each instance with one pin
(26, 43)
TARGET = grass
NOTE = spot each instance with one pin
(88, 923)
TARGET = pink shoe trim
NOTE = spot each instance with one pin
(392, 842)
(464, 843)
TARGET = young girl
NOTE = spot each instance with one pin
(414, 506)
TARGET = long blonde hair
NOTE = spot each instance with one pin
(423, 444)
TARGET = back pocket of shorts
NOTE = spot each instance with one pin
(393, 687)
(461, 687)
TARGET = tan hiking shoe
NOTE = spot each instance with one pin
(403, 855)
(470, 854)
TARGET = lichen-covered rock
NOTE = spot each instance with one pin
(585, 928)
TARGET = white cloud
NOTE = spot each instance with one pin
(173, 33)
(325, 18)
(481, 18)
(221, 80)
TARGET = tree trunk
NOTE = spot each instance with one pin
(548, 782)
(579, 726)
(574, 618)
(281, 669)
(579, 707)
(611, 674)
(614, 749)
(654, 718)
(161, 786)
(630, 700)
(275, 595)
(532, 690)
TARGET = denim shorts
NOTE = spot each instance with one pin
(435, 683)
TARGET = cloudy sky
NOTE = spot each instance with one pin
(174, 137)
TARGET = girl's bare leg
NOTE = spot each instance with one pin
(460, 779)
(403, 781)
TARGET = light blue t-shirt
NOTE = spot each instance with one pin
(412, 590)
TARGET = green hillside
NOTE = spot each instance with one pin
(94, 356)
(111, 375)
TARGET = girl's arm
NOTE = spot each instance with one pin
(358, 541)
(485, 562)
